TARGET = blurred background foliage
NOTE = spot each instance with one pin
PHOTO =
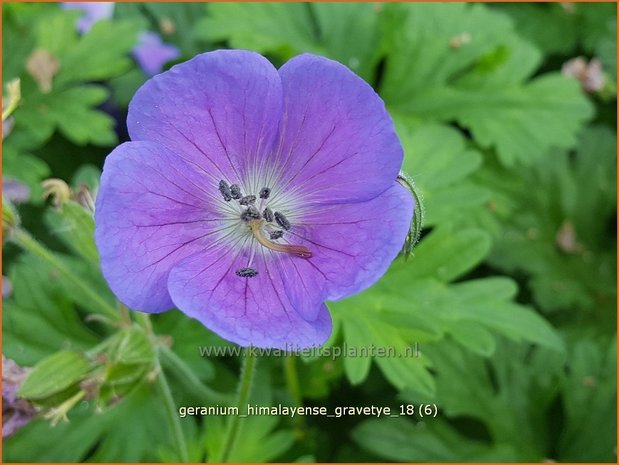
(507, 114)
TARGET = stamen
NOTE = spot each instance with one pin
(282, 220)
(298, 250)
(224, 188)
(248, 199)
(235, 191)
(246, 272)
(264, 193)
(250, 214)
(268, 215)
(274, 235)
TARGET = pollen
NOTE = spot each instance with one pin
(246, 272)
(235, 191)
(274, 235)
(250, 214)
(248, 199)
(224, 188)
(282, 220)
(267, 214)
(264, 193)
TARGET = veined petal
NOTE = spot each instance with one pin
(249, 311)
(352, 244)
(221, 110)
(337, 141)
(151, 211)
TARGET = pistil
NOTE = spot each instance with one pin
(298, 250)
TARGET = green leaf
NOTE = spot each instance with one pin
(39, 306)
(101, 53)
(357, 335)
(473, 337)
(70, 106)
(415, 304)
(57, 33)
(590, 398)
(54, 374)
(558, 232)
(265, 27)
(401, 440)
(513, 321)
(109, 436)
(362, 318)
(447, 254)
(344, 32)
(182, 18)
(71, 111)
(510, 394)
(553, 28)
(483, 83)
(437, 159)
(26, 168)
(75, 227)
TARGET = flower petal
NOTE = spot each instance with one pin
(152, 53)
(249, 311)
(352, 245)
(220, 109)
(151, 211)
(338, 143)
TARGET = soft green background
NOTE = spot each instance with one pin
(516, 326)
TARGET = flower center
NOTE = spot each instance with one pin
(264, 224)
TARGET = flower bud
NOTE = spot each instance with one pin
(58, 190)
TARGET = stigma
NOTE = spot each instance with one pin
(297, 250)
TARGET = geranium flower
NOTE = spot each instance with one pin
(151, 53)
(92, 12)
(250, 196)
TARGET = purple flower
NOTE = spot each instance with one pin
(15, 191)
(93, 12)
(16, 412)
(151, 53)
(250, 196)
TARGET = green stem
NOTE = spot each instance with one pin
(143, 320)
(294, 388)
(24, 240)
(173, 418)
(186, 375)
(292, 380)
(125, 317)
(245, 383)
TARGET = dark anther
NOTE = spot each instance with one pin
(246, 272)
(247, 200)
(274, 235)
(251, 213)
(264, 193)
(268, 215)
(224, 188)
(282, 221)
(235, 191)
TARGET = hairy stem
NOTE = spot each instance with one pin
(173, 418)
(187, 376)
(292, 380)
(245, 383)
